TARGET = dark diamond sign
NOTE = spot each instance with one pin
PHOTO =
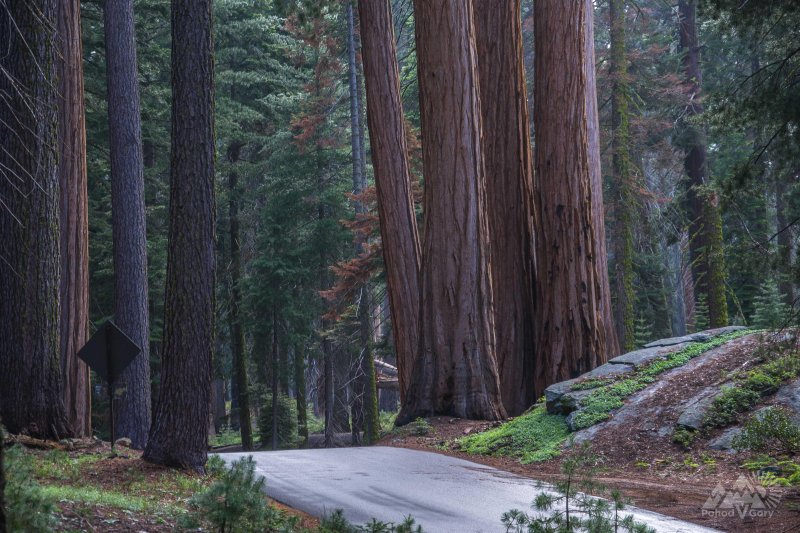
(108, 353)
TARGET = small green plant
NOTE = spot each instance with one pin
(684, 436)
(387, 419)
(690, 463)
(236, 503)
(773, 431)
(27, 506)
(727, 405)
(569, 507)
(771, 312)
(337, 523)
(287, 421)
(643, 465)
(420, 427)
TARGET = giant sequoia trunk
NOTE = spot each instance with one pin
(398, 223)
(456, 369)
(74, 219)
(596, 183)
(31, 384)
(509, 194)
(622, 176)
(132, 409)
(705, 225)
(178, 436)
(570, 332)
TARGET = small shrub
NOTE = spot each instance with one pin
(771, 312)
(287, 421)
(773, 431)
(236, 503)
(337, 523)
(571, 509)
(728, 404)
(420, 427)
(684, 436)
(26, 504)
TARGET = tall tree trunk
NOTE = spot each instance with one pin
(31, 382)
(622, 179)
(300, 392)
(596, 183)
(456, 369)
(133, 414)
(74, 291)
(571, 333)
(705, 225)
(785, 241)
(178, 436)
(509, 194)
(237, 333)
(274, 381)
(398, 223)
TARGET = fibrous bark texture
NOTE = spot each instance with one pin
(74, 219)
(178, 435)
(705, 224)
(31, 384)
(509, 194)
(398, 223)
(456, 369)
(596, 183)
(570, 329)
(132, 389)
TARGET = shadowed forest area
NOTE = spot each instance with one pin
(558, 237)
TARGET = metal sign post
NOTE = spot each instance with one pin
(108, 353)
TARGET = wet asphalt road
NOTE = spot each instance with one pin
(444, 494)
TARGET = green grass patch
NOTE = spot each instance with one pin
(118, 500)
(532, 437)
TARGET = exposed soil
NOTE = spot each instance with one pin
(645, 465)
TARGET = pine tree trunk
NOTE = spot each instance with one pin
(237, 333)
(622, 179)
(705, 224)
(596, 181)
(398, 223)
(571, 333)
(509, 194)
(31, 382)
(274, 381)
(74, 291)
(300, 392)
(133, 409)
(785, 242)
(456, 369)
(178, 435)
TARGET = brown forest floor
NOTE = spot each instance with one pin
(651, 470)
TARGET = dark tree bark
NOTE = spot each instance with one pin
(237, 333)
(785, 241)
(596, 183)
(300, 392)
(705, 225)
(178, 436)
(31, 383)
(456, 369)
(74, 291)
(622, 178)
(133, 408)
(274, 380)
(571, 333)
(509, 194)
(398, 223)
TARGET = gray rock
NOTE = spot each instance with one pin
(646, 355)
(560, 398)
(702, 336)
(725, 441)
(789, 397)
(125, 442)
(695, 411)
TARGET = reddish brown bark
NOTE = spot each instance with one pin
(596, 181)
(509, 194)
(570, 331)
(74, 290)
(456, 370)
(398, 223)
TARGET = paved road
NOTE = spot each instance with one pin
(444, 494)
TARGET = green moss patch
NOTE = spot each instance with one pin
(532, 437)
